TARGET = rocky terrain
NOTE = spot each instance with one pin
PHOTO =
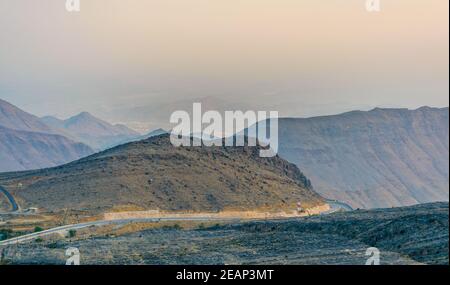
(380, 158)
(153, 174)
(410, 235)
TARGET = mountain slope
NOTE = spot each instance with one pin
(153, 174)
(91, 130)
(380, 158)
(21, 150)
(155, 133)
(28, 143)
(151, 134)
(14, 118)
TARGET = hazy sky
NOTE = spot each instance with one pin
(306, 57)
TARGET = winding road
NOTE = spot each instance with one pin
(335, 207)
(14, 206)
(66, 228)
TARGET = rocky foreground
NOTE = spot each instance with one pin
(410, 235)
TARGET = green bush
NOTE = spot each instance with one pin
(5, 234)
(53, 245)
(72, 233)
(38, 229)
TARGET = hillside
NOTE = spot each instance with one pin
(14, 118)
(92, 131)
(380, 158)
(21, 150)
(27, 143)
(152, 174)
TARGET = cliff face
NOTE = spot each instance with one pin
(380, 158)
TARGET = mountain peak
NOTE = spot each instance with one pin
(83, 115)
(95, 132)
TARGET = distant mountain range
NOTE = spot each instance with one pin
(153, 174)
(92, 131)
(380, 158)
(28, 143)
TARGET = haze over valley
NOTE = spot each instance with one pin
(93, 102)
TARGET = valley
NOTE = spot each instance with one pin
(174, 132)
(146, 201)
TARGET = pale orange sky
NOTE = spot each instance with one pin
(318, 52)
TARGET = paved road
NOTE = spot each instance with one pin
(66, 228)
(11, 200)
(335, 207)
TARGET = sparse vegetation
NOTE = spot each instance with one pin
(38, 229)
(172, 227)
(5, 234)
(53, 245)
(72, 233)
(405, 236)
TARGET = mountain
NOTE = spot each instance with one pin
(92, 131)
(14, 118)
(153, 174)
(380, 158)
(22, 150)
(28, 143)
